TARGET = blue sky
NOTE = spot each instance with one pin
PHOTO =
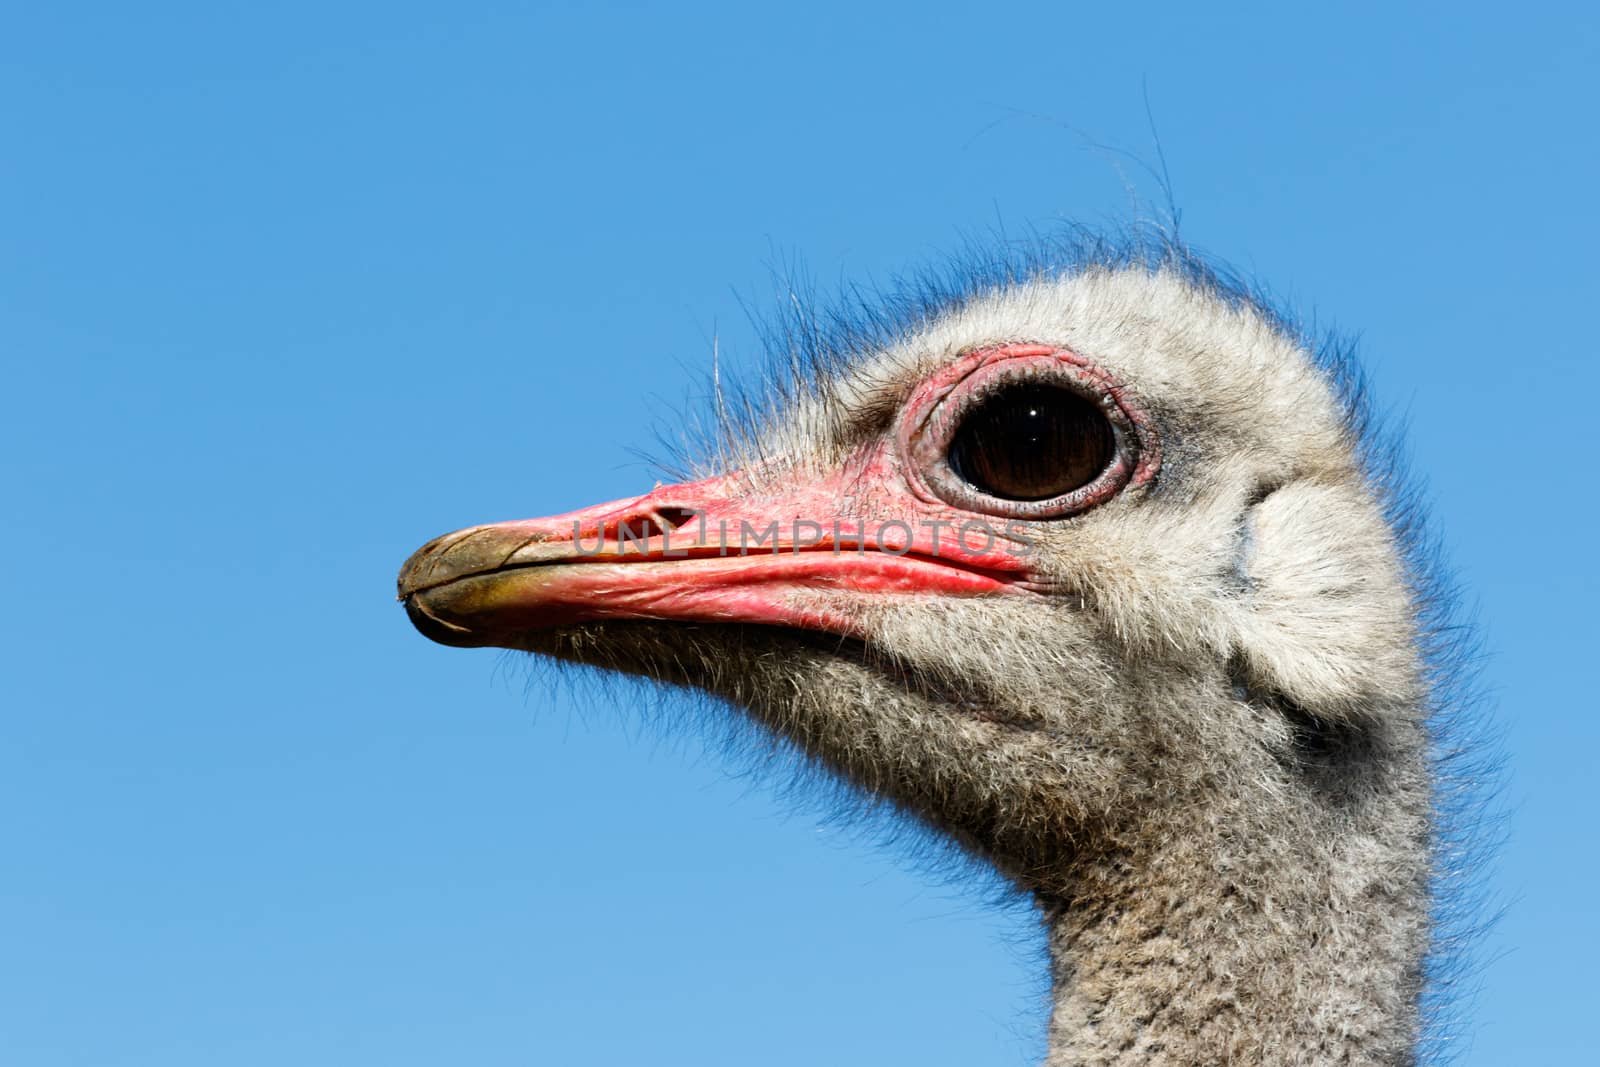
(287, 289)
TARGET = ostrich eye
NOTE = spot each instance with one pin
(1025, 431)
(1032, 442)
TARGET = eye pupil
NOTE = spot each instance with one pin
(1032, 442)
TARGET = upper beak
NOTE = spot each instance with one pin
(710, 551)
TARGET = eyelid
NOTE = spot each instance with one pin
(937, 410)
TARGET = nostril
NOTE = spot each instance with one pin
(654, 523)
(673, 518)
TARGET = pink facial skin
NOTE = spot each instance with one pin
(699, 551)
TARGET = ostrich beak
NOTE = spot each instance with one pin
(710, 552)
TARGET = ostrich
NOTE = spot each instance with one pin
(1087, 561)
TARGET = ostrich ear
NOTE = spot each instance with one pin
(1324, 623)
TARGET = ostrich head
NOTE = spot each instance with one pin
(1081, 568)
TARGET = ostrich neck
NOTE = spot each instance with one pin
(1284, 927)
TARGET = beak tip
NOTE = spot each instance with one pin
(438, 630)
